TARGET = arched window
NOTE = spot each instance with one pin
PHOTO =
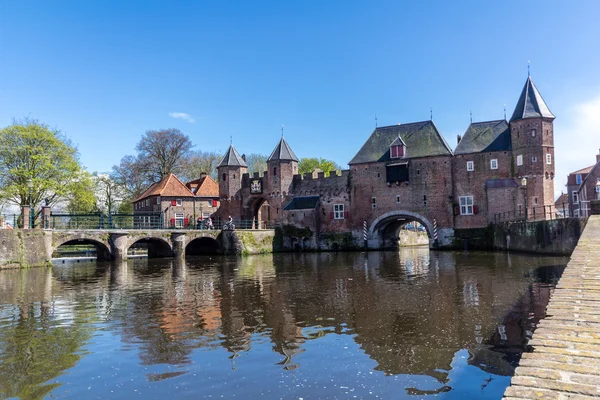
(224, 177)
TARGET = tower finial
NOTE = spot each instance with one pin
(505, 112)
(431, 113)
(471, 116)
(528, 69)
(282, 131)
(230, 139)
(375, 120)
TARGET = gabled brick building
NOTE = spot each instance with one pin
(172, 204)
(402, 173)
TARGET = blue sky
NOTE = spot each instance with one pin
(106, 71)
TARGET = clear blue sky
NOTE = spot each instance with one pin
(106, 71)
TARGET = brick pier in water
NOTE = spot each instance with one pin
(565, 362)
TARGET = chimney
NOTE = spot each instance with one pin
(244, 157)
(202, 174)
(598, 157)
(458, 138)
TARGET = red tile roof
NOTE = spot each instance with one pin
(170, 186)
(206, 187)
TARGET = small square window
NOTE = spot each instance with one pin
(398, 199)
(470, 166)
(179, 202)
(548, 158)
(494, 164)
(534, 159)
(533, 133)
(373, 202)
(519, 160)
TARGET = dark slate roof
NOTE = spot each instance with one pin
(485, 136)
(422, 139)
(501, 183)
(282, 152)
(232, 159)
(531, 104)
(302, 203)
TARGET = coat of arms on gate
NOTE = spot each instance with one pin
(256, 186)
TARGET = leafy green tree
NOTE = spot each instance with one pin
(37, 164)
(131, 177)
(256, 163)
(83, 199)
(308, 165)
(109, 194)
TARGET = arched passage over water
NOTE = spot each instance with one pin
(386, 228)
(156, 247)
(258, 211)
(202, 246)
(77, 247)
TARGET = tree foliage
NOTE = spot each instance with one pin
(256, 163)
(309, 165)
(199, 162)
(38, 163)
(109, 194)
(163, 152)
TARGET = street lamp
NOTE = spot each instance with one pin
(30, 187)
(524, 184)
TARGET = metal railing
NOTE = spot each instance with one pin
(143, 221)
(538, 213)
(12, 221)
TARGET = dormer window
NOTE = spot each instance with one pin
(397, 148)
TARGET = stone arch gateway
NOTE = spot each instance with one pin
(398, 217)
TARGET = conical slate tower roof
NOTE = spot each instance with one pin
(531, 104)
(232, 159)
(282, 152)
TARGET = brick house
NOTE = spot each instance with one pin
(574, 181)
(589, 190)
(170, 203)
(404, 173)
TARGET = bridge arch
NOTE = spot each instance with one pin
(157, 247)
(386, 226)
(103, 252)
(203, 245)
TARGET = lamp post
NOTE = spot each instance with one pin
(524, 184)
(30, 187)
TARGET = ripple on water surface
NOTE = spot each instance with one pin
(412, 324)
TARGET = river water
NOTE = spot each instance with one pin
(391, 325)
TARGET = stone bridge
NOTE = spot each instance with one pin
(29, 247)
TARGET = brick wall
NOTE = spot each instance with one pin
(473, 183)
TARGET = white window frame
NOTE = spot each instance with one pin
(373, 202)
(575, 196)
(338, 211)
(179, 202)
(179, 219)
(519, 160)
(533, 159)
(470, 166)
(548, 158)
(494, 163)
(158, 200)
(533, 133)
(398, 199)
(466, 205)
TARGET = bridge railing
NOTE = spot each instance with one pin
(538, 213)
(147, 221)
(12, 221)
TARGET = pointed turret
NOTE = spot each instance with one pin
(232, 159)
(282, 152)
(531, 104)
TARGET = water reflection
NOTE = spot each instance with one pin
(307, 325)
